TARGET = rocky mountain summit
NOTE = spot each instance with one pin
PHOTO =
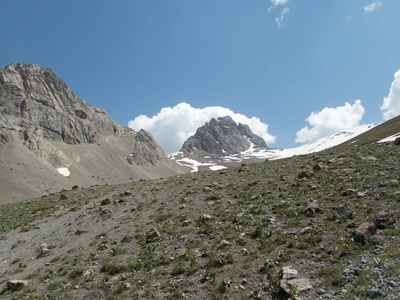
(45, 127)
(222, 137)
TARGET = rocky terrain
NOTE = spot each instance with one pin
(222, 137)
(46, 127)
(316, 226)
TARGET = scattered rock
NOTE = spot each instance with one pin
(312, 208)
(348, 192)
(307, 230)
(75, 187)
(106, 201)
(306, 174)
(291, 281)
(364, 231)
(374, 293)
(385, 218)
(397, 141)
(317, 167)
(63, 197)
(205, 217)
(43, 249)
(153, 233)
(360, 195)
(343, 211)
(105, 211)
(126, 193)
(16, 284)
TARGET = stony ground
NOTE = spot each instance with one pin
(273, 230)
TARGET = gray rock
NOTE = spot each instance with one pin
(374, 293)
(385, 218)
(364, 231)
(292, 281)
(222, 137)
(16, 284)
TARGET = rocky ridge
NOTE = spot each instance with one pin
(222, 137)
(41, 115)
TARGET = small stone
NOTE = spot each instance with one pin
(127, 285)
(43, 249)
(307, 230)
(306, 174)
(63, 197)
(105, 211)
(385, 218)
(317, 167)
(360, 194)
(374, 293)
(106, 201)
(290, 279)
(126, 193)
(75, 187)
(312, 208)
(397, 141)
(205, 217)
(348, 192)
(364, 231)
(16, 284)
(153, 233)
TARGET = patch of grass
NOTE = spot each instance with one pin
(112, 267)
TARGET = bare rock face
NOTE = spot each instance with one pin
(222, 137)
(146, 150)
(46, 127)
(33, 98)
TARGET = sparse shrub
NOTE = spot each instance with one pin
(112, 267)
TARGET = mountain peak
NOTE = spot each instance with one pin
(221, 137)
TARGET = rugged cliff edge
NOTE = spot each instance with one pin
(46, 127)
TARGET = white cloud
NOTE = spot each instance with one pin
(284, 11)
(171, 127)
(276, 3)
(373, 6)
(331, 120)
(391, 104)
(279, 20)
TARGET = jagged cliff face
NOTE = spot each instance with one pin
(222, 137)
(32, 96)
(40, 114)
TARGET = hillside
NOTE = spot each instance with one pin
(50, 139)
(216, 235)
(386, 129)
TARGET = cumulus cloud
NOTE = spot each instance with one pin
(331, 120)
(283, 4)
(391, 104)
(171, 127)
(373, 6)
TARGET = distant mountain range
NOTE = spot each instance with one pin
(51, 140)
(349, 137)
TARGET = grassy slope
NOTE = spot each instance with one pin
(258, 224)
(377, 133)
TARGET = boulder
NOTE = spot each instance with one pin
(364, 231)
(385, 218)
(292, 283)
(306, 174)
(16, 284)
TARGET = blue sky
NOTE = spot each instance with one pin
(277, 61)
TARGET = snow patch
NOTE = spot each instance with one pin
(64, 171)
(390, 138)
(217, 168)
